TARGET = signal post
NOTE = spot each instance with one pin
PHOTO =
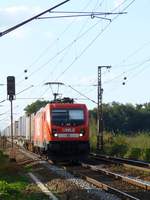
(11, 96)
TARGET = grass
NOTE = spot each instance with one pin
(135, 146)
(139, 146)
(142, 141)
(14, 184)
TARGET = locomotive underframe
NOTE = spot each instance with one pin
(68, 150)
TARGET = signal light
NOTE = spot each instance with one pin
(11, 85)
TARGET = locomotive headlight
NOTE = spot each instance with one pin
(81, 134)
(54, 132)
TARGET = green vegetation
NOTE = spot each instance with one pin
(126, 130)
(134, 147)
(34, 107)
(14, 184)
(128, 118)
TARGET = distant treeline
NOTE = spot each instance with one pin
(125, 118)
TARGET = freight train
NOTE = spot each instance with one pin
(60, 130)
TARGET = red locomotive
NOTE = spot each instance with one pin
(62, 130)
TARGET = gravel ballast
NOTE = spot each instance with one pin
(71, 188)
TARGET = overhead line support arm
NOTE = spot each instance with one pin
(30, 19)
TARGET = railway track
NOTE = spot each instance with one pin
(123, 187)
(113, 183)
(43, 170)
(135, 164)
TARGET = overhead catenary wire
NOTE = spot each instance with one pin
(35, 98)
(82, 94)
(68, 16)
(143, 68)
(87, 12)
(90, 43)
(54, 42)
(60, 35)
(19, 92)
(129, 70)
(124, 73)
(25, 89)
(124, 60)
(62, 50)
(55, 57)
(31, 19)
(76, 58)
(83, 14)
(74, 41)
(69, 45)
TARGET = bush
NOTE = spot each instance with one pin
(119, 150)
(1, 155)
(119, 146)
(108, 138)
(4, 187)
(134, 146)
(93, 141)
(146, 155)
(135, 153)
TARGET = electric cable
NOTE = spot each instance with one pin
(91, 42)
(82, 52)
(53, 43)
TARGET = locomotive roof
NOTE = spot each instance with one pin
(67, 105)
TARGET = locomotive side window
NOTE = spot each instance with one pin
(71, 116)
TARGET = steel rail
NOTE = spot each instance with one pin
(103, 186)
(132, 181)
(108, 188)
(126, 162)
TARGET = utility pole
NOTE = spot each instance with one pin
(100, 143)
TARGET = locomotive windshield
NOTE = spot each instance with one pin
(67, 116)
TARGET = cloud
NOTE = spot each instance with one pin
(118, 3)
(12, 14)
(16, 9)
(18, 34)
(48, 35)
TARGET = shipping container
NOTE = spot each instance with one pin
(15, 129)
(22, 126)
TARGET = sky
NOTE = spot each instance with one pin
(70, 49)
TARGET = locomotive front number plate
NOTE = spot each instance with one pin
(68, 135)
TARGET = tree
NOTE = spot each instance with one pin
(34, 107)
(125, 118)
